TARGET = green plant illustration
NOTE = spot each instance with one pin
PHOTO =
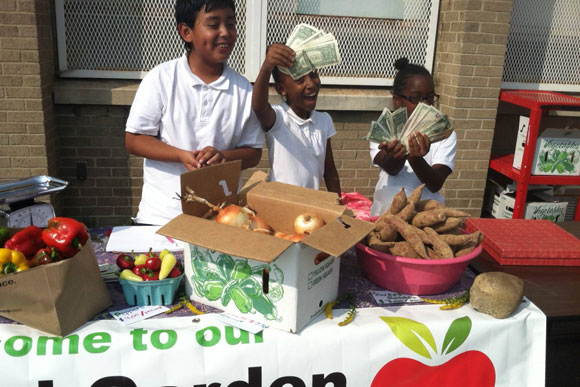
(556, 161)
(229, 280)
(410, 333)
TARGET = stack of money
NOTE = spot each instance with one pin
(314, 48)
(424, 119)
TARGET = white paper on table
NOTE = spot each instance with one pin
(132, 315)
(249, 325)
(140, 239)
(385, 297)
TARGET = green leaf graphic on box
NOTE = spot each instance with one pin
(556, 162)
(407, 331)
(456, 334)
(229, 280)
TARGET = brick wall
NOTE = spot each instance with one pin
(469, 61)
(26, 79)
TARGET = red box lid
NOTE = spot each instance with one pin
(526, 242)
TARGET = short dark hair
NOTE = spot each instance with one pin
(186, 11)
(406, 70)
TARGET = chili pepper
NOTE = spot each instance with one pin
(153, 263)
(28, 241)
(44, 256)
(12, 261)
(67, 235)
(125, 261)
(4, 235)
(167, 264)
(129, 275)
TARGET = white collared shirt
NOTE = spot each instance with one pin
(297, 147)
(442, 152)
(176, 106)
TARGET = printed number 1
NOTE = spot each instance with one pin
(224, 185)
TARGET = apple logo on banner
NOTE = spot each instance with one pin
(471, 368)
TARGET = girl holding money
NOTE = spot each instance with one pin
(298, 137)
(422, 162)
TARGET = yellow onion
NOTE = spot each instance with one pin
(290, 237)
(307, 223)
(233, 215)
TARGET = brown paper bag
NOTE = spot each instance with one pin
(56, 298)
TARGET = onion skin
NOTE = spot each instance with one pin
(290, 237)
(258, 224)
(307, 223)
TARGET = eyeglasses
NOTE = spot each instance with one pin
(431, 99)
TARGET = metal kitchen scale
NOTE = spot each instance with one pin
(17, 205)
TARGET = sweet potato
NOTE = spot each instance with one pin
(403, 249)
(416, 195)
(428, 218)
(449, 224)
(441, 248)
(407, 212)
(456, 213)
(432, 253)
(426, 240)
(375, 243)
(399, 202)
(466, 249)
(459, 240)
(428, 204)
(409, 234)
(387, 232)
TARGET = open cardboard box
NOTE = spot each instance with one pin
(281, 283)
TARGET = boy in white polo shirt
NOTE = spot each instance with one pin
(298, 136)
(193, 111)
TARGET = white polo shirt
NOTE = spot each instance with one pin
(176, 106)
(442, 152)
(297, 147)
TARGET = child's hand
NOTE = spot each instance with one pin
(393, 148)
(188, 159)
(419, 144)
(209, 156)
(279, 55)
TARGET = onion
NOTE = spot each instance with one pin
(290, 237)
(233, 215)
(258, 224)
(307, 223)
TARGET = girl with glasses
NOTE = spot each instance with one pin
(423, 162)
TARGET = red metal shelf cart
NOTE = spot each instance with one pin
(539, 103)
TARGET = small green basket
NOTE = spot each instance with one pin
(159, 292)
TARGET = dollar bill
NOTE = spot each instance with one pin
(377, 133)
(314, 48)
(425, 119)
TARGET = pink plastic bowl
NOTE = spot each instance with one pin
(412, 275)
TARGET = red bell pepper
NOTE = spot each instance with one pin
(153, 263)
(28, 241)
(125, 261)
(66, 235)
(44, 256)
(176, 271)
(151, 275)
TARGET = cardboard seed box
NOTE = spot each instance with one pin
(56, 298)
(261, 277)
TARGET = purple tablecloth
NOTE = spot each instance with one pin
(351, 281)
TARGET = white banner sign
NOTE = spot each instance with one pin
(415, 345)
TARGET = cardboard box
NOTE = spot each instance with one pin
(56, 298)
(521, 140)
(557, 153)
(539, 205)
(278, 282)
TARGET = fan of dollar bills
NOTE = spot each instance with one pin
(425, 119)
(314, 48)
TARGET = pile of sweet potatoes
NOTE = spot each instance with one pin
(424, 229)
